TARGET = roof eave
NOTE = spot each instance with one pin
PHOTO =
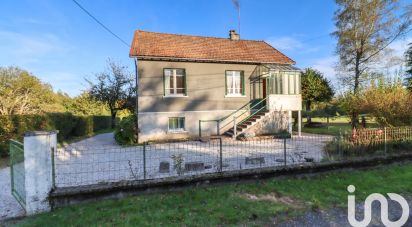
(158, 58)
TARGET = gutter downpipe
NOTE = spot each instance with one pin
(137, 100)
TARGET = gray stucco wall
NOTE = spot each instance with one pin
(205, 87)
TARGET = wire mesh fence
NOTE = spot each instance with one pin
(83, 165)
(370, 142)
(87, 165)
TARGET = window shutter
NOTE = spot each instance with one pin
(185, 81)
(225, 82)
(242, 79)
(164, 81)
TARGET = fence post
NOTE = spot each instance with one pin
(284, 151)
(200, 128)
(220, 154)
(338, 144)
(218, 127)
(234, 127)
(386, 149)
(39, 149)
(144, 160)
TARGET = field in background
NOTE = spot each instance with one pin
(336, 125)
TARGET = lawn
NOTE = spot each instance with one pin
(232, 204)
(336, 125)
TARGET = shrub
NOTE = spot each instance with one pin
(68, 125)
(126, 132)
(64, 122)
(84, 126)
(101, 122)
(283, 134)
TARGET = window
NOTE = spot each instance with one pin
(284, 83)
(176, 124)
(235, 83)
(174, 82)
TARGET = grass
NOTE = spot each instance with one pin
(232, 204)
(336, 125)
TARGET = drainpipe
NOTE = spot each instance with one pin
(136, 99)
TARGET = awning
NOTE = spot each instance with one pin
(263, 70)
(277, 67)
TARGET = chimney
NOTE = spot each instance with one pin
(233, 35)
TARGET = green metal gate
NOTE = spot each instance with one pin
(17, 172)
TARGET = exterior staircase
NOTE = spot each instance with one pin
(248, 122)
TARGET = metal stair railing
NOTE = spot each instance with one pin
(232, 117)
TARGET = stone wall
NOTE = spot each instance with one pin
(272, 123)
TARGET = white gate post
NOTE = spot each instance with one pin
(38, 165)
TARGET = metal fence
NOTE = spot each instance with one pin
(83, 165)
(17, 172)
(88, 165)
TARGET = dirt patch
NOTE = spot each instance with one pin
(275, 198)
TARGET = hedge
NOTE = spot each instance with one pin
(68, 125)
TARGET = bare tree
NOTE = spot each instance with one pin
(364, 29)
(113, 87)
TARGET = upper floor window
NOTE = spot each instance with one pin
(235, 83)
(174, 82)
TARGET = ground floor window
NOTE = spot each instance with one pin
(235, 83)
(176, 124)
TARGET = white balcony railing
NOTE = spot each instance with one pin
(284, 102)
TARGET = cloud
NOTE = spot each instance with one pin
(24, 48)
(326, 66)
(285, 43)
(70, 83)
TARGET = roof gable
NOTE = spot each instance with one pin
(153, 45)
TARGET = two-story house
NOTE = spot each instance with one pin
(197, 85)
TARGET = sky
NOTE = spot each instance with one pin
(56, 41)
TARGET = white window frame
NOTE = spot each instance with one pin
(181, 129)
(232, 74)
(174, 75)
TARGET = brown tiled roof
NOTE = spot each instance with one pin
(161, 46)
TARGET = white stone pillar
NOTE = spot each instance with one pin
(290, 122)
(299, 123)
(38, 165)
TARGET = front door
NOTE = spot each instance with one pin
(264, 88)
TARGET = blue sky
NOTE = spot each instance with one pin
(60, 44)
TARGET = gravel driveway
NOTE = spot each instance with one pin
(100, 160)
(9, 207)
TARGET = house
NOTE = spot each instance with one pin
(197, 85)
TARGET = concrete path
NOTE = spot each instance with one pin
(9, 207)
(101, 140)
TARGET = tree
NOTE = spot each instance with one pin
(23, 93)
(315, 88)
(364, 29)
(85, 105)
(388, 101)
(408, 58)
(113, 87)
